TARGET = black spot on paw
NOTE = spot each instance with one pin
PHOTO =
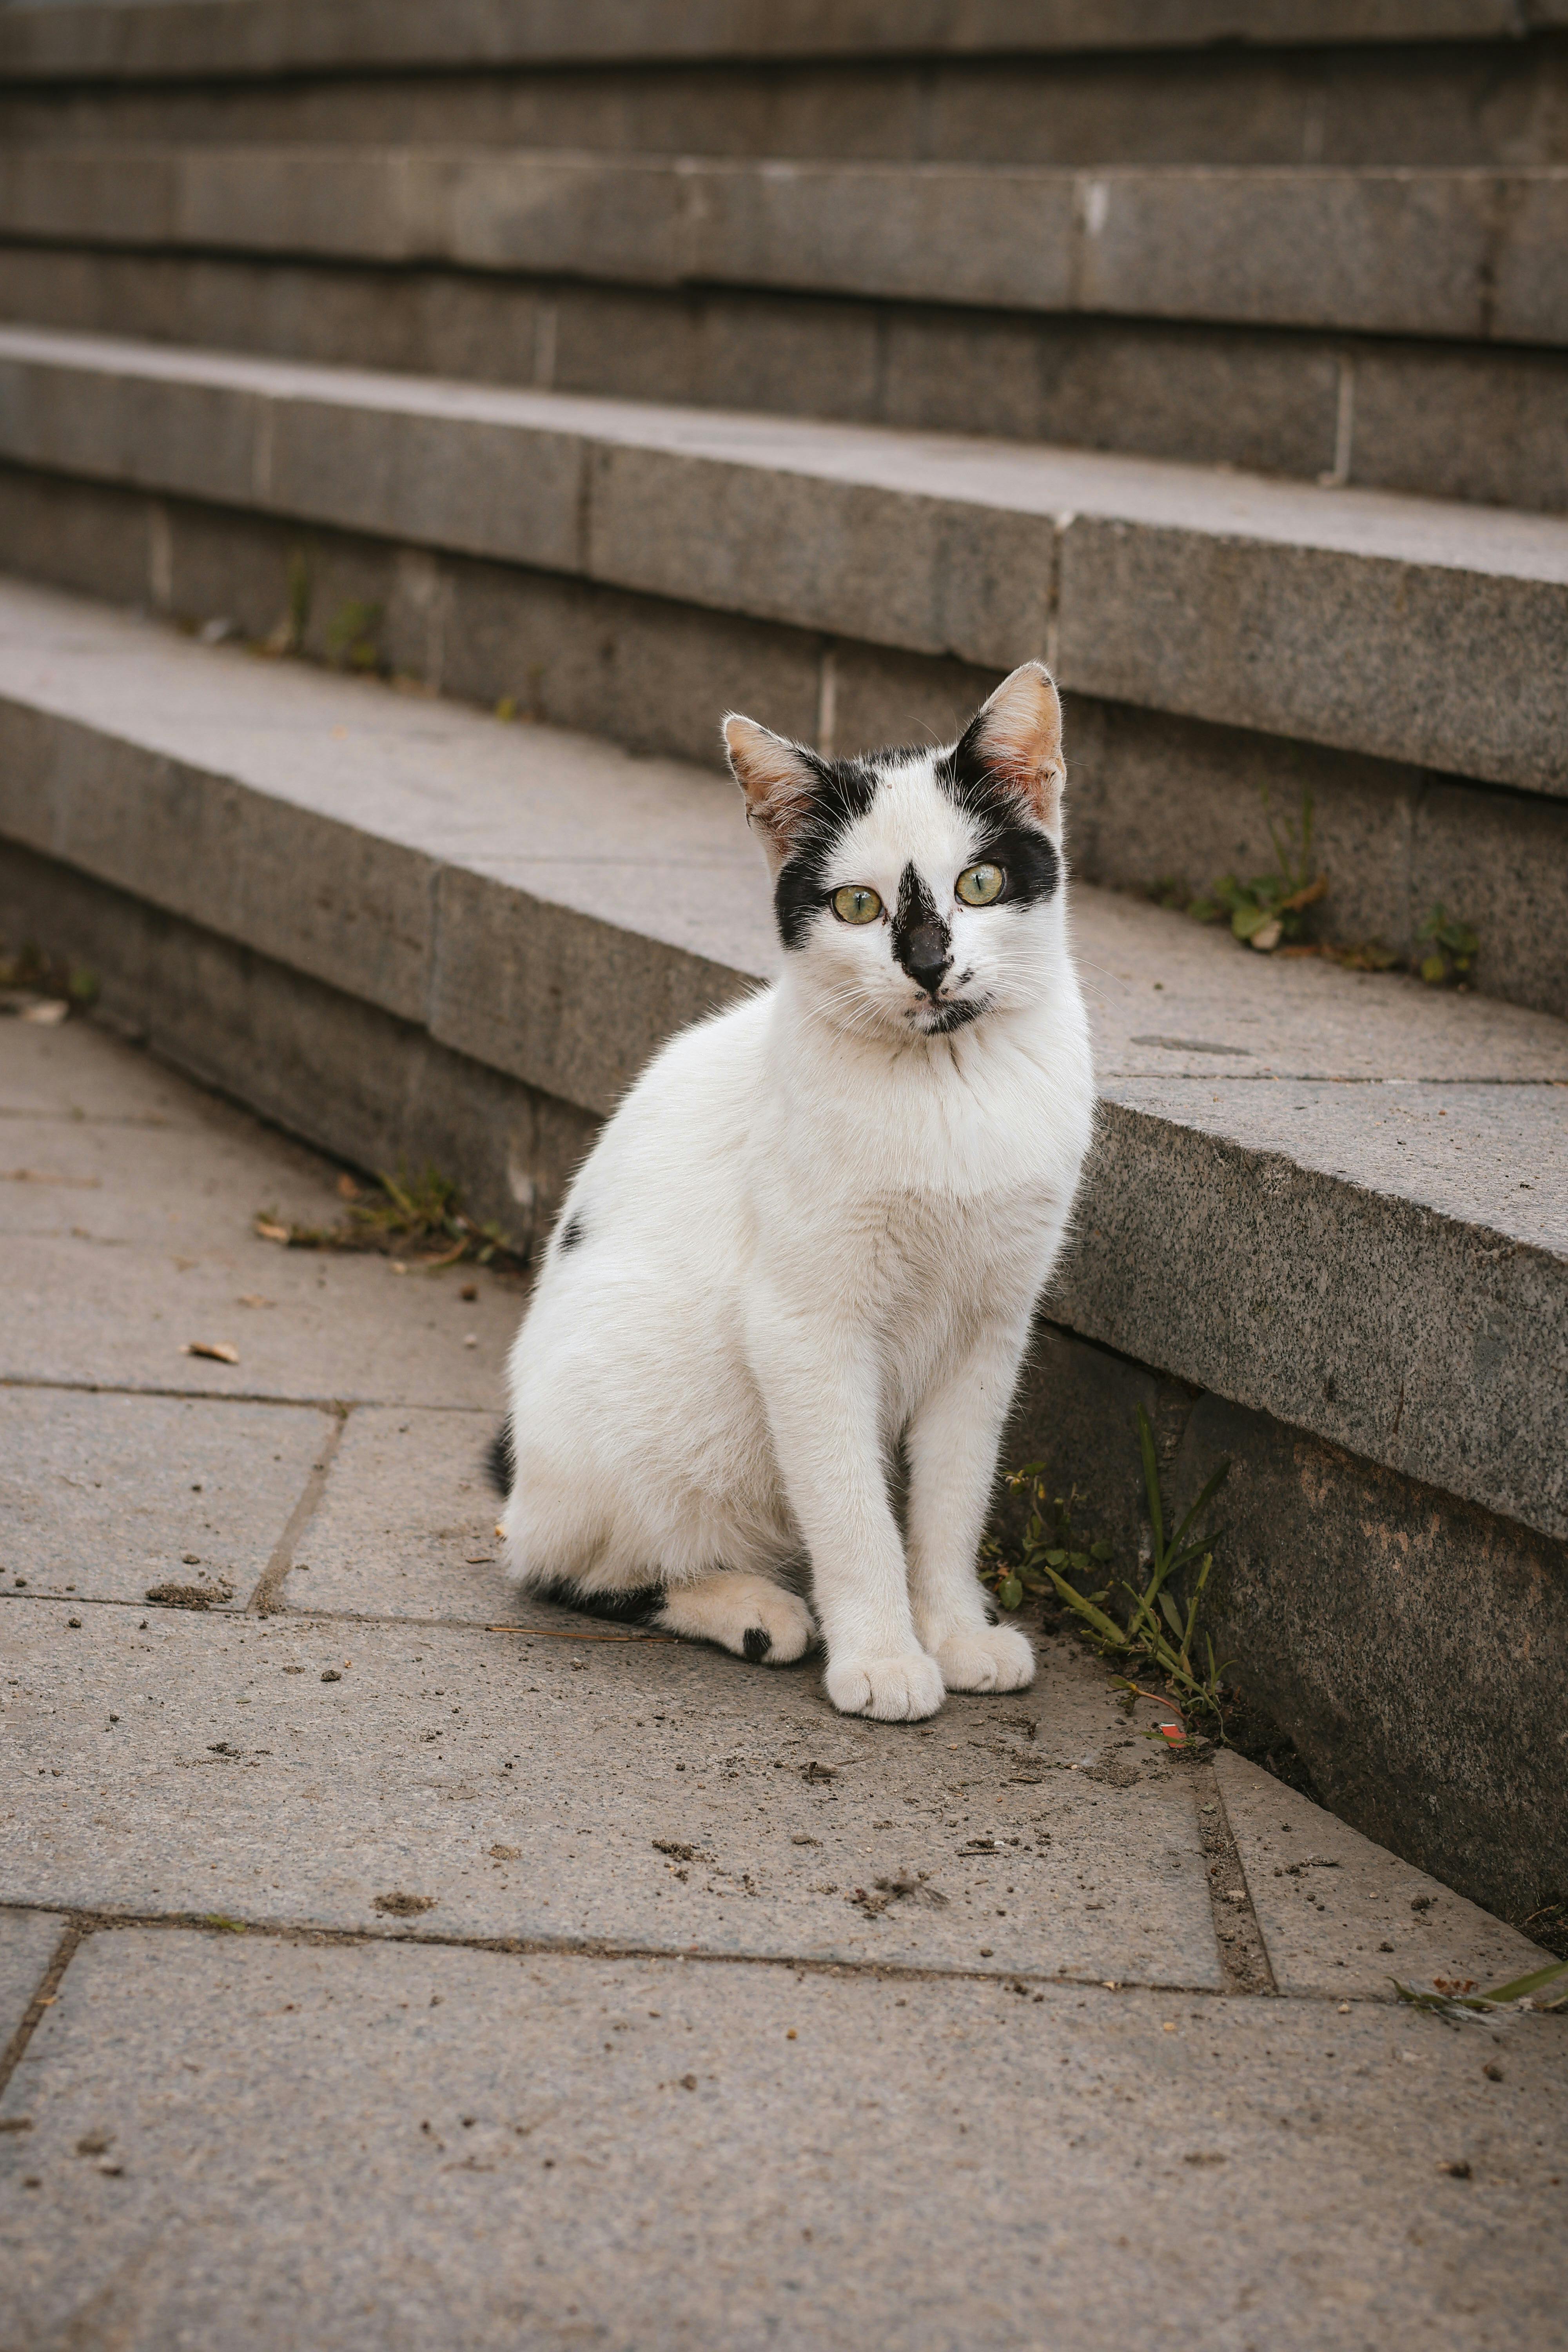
(992, 1618)
(571, 1233)
(757, 1642)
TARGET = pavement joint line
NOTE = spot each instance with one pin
(264, 1601)
(85, 1922)
(49, 1986)
(1243, 1951)
(241, 1396)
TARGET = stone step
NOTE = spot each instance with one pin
(1470, 81)
(1464, 255)
(631, 568)
(1323, 1235)
(1393, 328)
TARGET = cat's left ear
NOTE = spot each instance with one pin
(778, 779)
(1016, 738)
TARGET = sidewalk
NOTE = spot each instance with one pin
(391, 1966)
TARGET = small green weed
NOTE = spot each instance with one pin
(413, 1217)
(43, 987)
(1153, 1634)
(1451, 950)
(1460, 2000)
(1268, 910)
(353, 635)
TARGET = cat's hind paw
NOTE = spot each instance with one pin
(748, 1614)
(994, 1659)
(890, 1690)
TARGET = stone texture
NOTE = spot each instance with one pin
(229, 1785)
(526, 2156)
(1344, 1917)
(405, 1525)
(107, 1497)
(29, 1942)
(1406, 628)
(268, 39)
(1452, 254)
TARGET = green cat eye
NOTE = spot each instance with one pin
(978, 885)
(855, 903)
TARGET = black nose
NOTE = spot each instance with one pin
(925, 956)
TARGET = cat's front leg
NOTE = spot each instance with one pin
(952, 1442)
(819, 1385)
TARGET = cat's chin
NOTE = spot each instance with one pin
(941, 1020)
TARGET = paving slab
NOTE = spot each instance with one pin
(29, 1942)
(108, 1497)
(635, 1791)
(405, 1523)
(249, 2141)
(1339, 1914)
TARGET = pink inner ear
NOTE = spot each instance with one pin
(1021, 739)
(775, 780)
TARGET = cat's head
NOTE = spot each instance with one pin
(917, 891)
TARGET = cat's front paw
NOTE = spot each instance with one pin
(751, 1615)
(892, 1690)
(994, 1659)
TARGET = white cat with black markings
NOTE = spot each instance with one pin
(818, 1224)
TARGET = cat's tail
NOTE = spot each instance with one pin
(500, 1461)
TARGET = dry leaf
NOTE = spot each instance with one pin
(269, 1232)
(222, 1352)
(255, 1298)
(47, 1013)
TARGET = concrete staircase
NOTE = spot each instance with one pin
(618, 366)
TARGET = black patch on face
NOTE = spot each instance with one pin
(949, 1017)
(1010, 838)
(571, 1233)
(845, 791)
(756, 1642)
(923, 943)
(500, 1461)
(623, 1604)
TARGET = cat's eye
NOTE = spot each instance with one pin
(857, 904)
(978, 885)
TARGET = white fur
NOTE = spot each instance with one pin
(810, 1229)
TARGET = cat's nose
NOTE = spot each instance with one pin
(926, 957)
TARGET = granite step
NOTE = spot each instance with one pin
(1471, 82)
(631, 567)
(1394, 329)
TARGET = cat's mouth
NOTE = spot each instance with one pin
(940, 1020)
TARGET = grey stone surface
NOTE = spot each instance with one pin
(267, 39)
(1462, 254)
(229, 1785)
(405, 1525)
(1408, 629)
(419, 2145)
(1341, 1915)
(108, 1497)
(1354, 1605)
(1454, 421)
(29, 1942)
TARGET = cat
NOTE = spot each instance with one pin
(817, 1227)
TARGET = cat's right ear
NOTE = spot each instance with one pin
(778, 779)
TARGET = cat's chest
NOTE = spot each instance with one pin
(903, 1253)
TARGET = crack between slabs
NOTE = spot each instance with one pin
(1243, 1953)
(338, 1405)
(264, 1601)
(64, 1950)
(82, 1923)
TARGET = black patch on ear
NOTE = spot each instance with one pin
(571, 1233)
(845, 791)
(756, 1642)
(1010, 836)
(500, 1461)
(623, 1604)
